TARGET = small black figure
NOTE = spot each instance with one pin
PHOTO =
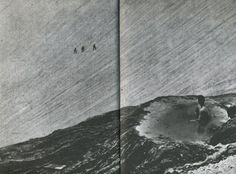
(75, 51)
(82, 48)
(94, 47)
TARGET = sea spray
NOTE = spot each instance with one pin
(220, 152)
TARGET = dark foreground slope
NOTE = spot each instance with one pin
(140, 154)
(89, 147)
(155, 137)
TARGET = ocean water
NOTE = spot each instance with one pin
(171, 118)
(167, 123)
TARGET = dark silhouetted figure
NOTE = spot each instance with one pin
(94, 47)
(82, 49)
(75, 51)
(202, 114)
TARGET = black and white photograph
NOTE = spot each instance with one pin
(117, 87)
(59, 87)
(178, 84)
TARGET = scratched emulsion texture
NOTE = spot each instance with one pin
(177, 47)
(44, 86)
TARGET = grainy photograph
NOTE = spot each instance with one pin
(178, 100)
(117, 86)
(59, 87)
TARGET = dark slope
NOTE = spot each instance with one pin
(226, 134)
(141, 155)
(89, 147)
(93, 145)
(155, 154)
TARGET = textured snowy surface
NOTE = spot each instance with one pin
(177, 47)
(226, 166)
(44, 86)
